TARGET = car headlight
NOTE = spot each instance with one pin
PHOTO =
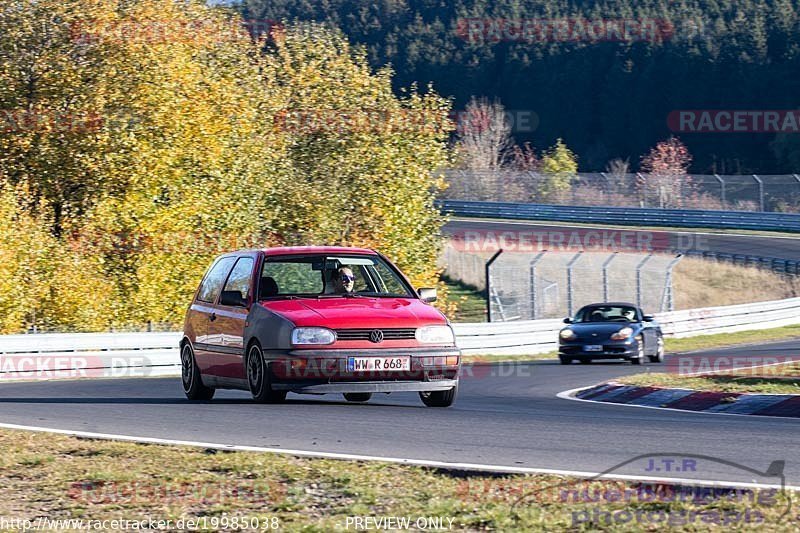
(622, 334)
(435, 335)
(567, 334)
(313, 336)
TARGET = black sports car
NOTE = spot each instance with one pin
(614, 330)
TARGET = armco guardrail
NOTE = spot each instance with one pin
(629, 216)
(78, 355)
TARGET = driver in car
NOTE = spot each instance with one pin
(344, 281)
(629, 315)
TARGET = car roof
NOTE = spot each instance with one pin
(603, 304)
(291, 250)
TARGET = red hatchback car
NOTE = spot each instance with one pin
(316, 320)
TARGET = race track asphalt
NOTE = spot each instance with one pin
(506, 416)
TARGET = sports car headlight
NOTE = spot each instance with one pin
(313, 336)
(567, 334)
(622, 334)
(435, 335)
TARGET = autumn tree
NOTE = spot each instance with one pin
(666, 173)
(147, 137)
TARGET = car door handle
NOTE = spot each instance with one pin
(213, 317)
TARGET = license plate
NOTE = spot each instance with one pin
(378, 364)
(593, 348)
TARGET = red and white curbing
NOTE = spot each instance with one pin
(783, 405)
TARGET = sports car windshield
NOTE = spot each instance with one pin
(330, 277)
(609, 313)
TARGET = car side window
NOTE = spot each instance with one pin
(240, 277)
(212, 283)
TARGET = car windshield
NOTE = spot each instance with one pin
(330, 277)
(606, 313)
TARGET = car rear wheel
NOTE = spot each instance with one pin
(444, 398)
(259, 378)
(659, 355)
(565, 360)
(357, 396)
(190, 376)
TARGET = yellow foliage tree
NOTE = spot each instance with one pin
(158, 134)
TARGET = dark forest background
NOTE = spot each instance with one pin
(607, 100)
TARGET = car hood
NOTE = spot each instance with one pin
(601, 328)
(340, 313)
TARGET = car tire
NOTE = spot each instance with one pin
(585, 361)
(358, 397)
(565, 360)
(190, 376)
(443, 398)
(659, 355)
(639, 359)
(259, 378)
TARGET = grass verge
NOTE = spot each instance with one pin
(783, 379)
(62, 477)
(722, 340)
(470, 302)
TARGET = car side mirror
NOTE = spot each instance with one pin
(232, 299)
(427, 295)
(568, 320)
(648, 318)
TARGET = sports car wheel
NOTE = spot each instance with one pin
(565, 360)
(639, 359)
(443, 398)
(259, 378)
(659, 356)
(190, 376)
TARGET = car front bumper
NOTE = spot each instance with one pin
(325, 371)
(611, 350)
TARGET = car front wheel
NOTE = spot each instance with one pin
(444, 398)
(639, 359)
(190, 376)
(259, 378)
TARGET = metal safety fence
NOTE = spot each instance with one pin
(749, 192)
(545, 284)
(91, 355)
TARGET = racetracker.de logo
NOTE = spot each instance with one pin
(543, 30)
(577, 240)
(46, 366)
(734, 121)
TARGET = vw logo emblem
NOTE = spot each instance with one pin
(376, 335)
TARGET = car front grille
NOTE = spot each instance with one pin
(389, 334)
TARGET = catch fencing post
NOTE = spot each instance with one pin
(640, 179)
(668, 284)
(605, 275)
(489, 284)
(639, 279)
(569, 281)
(721, 189)
(533, 282)
(760, 191)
